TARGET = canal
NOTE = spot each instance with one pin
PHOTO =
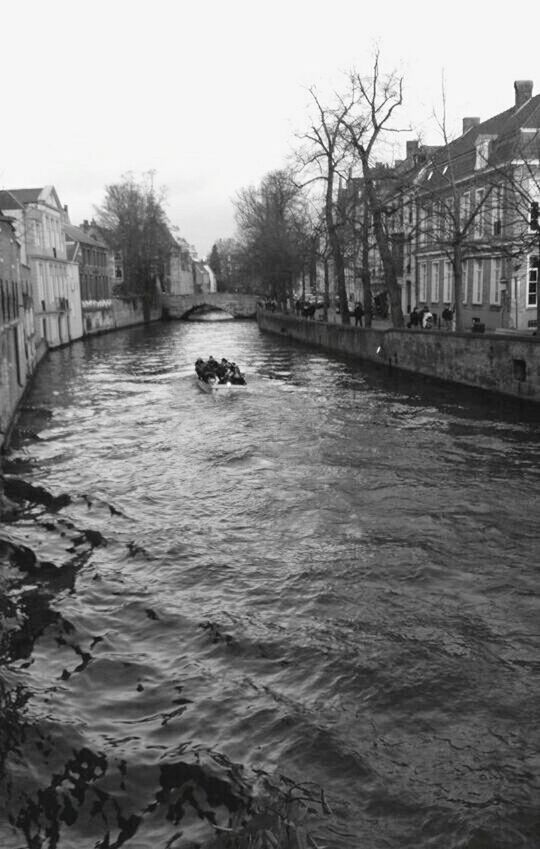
(304, 616)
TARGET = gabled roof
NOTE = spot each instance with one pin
(8, 201)
(507, 143)
(78, 234)
(45, 194)
(26, 195)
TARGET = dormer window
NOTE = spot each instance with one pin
(483, 147)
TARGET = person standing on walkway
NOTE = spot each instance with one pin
(358, 314)
(447, 316)
(414, 318)
(427, 319)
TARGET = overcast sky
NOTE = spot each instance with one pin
(210, 94)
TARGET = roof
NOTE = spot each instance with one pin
(7, 201)
(505, 132)
(26, 195)
(78, 234)
(21, 197)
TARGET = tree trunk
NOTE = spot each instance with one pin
(390, 276)
(457, 262)
(326, 290)
(336, 249)
(366, 273)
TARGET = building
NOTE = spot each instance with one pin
(474, 249)
(39, 220)
(179, 272)
(456, 222)
(19, 353)
(203, 278)
(92, 255)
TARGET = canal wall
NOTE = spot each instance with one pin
(18, 363)
(500, 363)
(18, 366)
(113, 314)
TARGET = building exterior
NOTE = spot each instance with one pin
(179, 273)
(90, 252)
(19, 354)
(39, 220)
(473, 199)
(203, 278)
(456, 219)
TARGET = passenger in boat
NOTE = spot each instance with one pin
(222, 370)
(237, 378)
(207, 370)
(199, 364)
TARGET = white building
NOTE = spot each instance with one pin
(39, 222)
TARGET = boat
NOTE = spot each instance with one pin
(222, 378)
(213, 386)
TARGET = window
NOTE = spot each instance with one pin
(465, 208)
(447, 283)
(497, 207)
(532, 289)
(495, 281)
(37, 233)
(482, 153)
(422, 288)
(477, 282)
(479, 214)
(464, 281)
(434, 282)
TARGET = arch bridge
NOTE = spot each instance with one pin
(236, 304)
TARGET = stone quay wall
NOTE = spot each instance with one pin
(16, 372)
(103, 316)
(496, 362)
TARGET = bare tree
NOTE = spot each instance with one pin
(376, 98)
(327, 153)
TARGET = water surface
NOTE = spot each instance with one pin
(323, 590)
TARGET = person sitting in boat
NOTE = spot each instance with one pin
(236, 376)
(223, 370)
(207, 370)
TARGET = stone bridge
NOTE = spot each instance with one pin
(182, 306)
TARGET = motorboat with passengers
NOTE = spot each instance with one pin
(219, 376)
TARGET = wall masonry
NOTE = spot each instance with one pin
(500, 363)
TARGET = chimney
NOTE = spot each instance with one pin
(412, 148)
(523, 90)
(468, 123)
(86, 225)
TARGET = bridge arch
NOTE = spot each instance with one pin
(236, 304)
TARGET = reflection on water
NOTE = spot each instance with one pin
(306, 615)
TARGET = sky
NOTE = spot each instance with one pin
(210, 96)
